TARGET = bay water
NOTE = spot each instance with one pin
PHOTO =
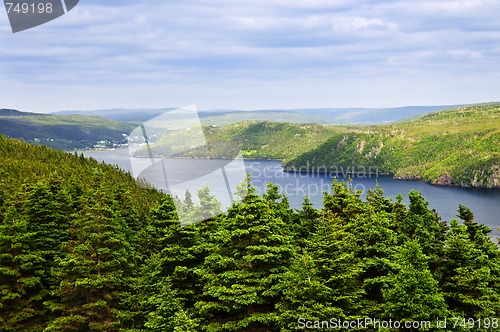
(485, 203)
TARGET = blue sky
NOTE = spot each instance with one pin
(257, 54)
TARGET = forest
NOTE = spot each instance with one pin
(83, 247)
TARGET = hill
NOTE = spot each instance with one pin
(63, 131)
(459, 147)
(135, 116)
(57, 206)
(25, 164)
(222, 117)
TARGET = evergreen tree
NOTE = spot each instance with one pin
(322, 282)
(21, 289)
(376, 241)
(243, 274)
(160, 304)
(471, 277)
(304, 223)
(344, 203)
(48, 208)
(188, 201)
(412, 294)
(171, 265)
(424, 225)
(209, 205)
(94, 273)
(32, 237)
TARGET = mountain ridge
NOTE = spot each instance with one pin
(221, 117)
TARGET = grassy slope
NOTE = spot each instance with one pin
(456, 147)
(63, 131)
(255, 139)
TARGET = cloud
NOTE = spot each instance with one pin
(198, 51)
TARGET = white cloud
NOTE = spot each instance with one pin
(238, 53)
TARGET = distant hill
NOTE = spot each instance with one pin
(63, 131)
(460, 146)
(135, 116)
(11, 112)
(221, 117)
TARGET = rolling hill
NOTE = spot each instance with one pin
(222, 117)
(459, 147)
(63, 131)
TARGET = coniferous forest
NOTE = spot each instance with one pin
(84, 248)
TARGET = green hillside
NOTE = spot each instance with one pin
(63, 131)
(459, 147)
(255, 139)
(455, 147)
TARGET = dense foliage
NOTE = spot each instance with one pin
(454, 147)
(83, 248)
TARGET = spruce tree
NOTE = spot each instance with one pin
(21, 289)
(94, 273)
(243, 274)
(471, 275)
(412, 294)
(424, 226)
(322, 282)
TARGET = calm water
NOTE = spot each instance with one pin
(484, 203)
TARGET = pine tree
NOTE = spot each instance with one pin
(412, 294)
(21, 289)
(243, 274)
(471, 274)
(322, 282)
(94, 273)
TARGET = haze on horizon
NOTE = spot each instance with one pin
(254, 55)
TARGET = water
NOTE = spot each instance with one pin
(445, 200)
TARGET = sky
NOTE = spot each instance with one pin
(258, 54)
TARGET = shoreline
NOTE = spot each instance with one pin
(322, 170)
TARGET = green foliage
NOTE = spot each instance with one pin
(94, 273)
(243, 274)
(264, 140)
(411, 293)
(84, 248)
(66, 223)
(471, 271)
(453, 147)
(63, 131)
